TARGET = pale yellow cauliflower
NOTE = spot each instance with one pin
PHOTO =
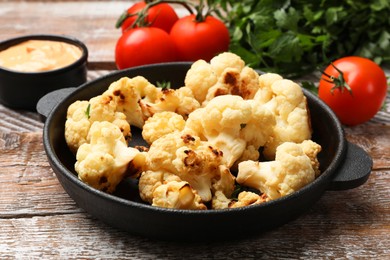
(236, 126)
(285, 99)
(245, 198)
(225, 74)
(177, 195)
(167, 190)
(82, 114)
(102, 163)
(192, 160)
(161, 124)
(291, 170)
(139, 99)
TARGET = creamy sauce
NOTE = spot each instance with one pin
(39, 55)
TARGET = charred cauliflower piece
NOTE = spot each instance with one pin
(138, 99)
(177, 195)
(245, 198)
(225, 74)
(233, 125)
(291, 170)
(103, 161)
(192, 160)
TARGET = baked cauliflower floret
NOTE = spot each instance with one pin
(82, 114)
(233, 125)
(103, 161)
(245, 198)
(289, 106)
(225, 74)
(188, 103)
(192, 160)
(177, 195)
(257, 131)
(150, 180)
(291, 170)
(130, 96)
(77, 125)
(312, 149)
(161, 124)
(139, 99)
(265, 93)
(220, 123)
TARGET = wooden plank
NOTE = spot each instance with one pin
(351, 224)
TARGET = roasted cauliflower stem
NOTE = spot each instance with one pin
(285, 99)
(192, 160)
(236, 126)
(291, 170)
(225, 74)
(103, 161)
(161, 124)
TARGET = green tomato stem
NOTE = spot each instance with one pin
(339, 81)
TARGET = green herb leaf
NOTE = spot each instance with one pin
(293, 38)
(88, 111)
(164, 84)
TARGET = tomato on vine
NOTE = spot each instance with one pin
(144, 45)
(354, 88)
(162, 16)
(197, 37)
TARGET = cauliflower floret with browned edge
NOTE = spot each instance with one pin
(102, 163)
(150, 180)
(232, 124)
(82, 114)
(192, 160)
(244, 198)
(289, 106)
(130, 95)
(225, 74)
(139, 99)
(177, 195)
(291, 170)
(161, 124)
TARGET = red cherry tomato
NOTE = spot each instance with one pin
(199, 40)
(144, 45)
(361, 97)
(162, 16)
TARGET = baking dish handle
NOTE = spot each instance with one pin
(47, 103)
(354, 170)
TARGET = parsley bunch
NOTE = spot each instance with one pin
(295, 37)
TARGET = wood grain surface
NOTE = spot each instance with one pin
(39, 220)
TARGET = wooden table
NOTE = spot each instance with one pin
(38, 219)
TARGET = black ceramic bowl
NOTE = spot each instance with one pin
(22, 90)
(343, 166)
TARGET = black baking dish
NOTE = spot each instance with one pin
(343, 165)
